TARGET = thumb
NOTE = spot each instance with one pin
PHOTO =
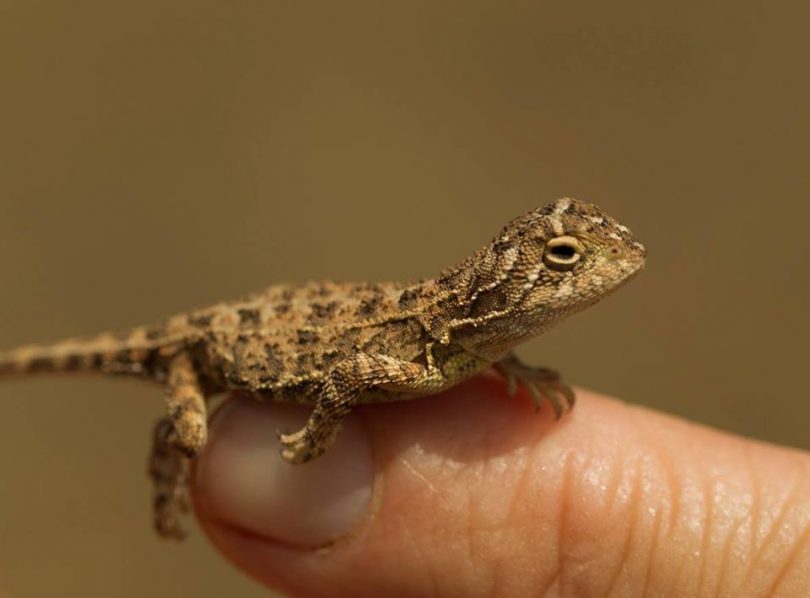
(470, 493)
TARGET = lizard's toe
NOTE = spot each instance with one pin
(568, 394)
(557, 394)
(553, 398)
(296, 448)
(535, 393)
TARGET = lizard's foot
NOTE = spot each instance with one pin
(169, 511)
(300, 446)
(189, 432)
(168, 468)
(542, 384)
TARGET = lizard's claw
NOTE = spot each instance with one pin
(558, 394)
(541, 383)
(297, 447)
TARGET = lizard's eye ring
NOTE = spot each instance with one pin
(562, 253)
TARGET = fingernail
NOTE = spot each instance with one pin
(241, 479)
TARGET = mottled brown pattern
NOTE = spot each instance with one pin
(333, 345)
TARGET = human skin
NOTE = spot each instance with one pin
(470, 493)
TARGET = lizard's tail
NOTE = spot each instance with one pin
(105, 353)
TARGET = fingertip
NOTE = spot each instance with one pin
(241, 480)
(472, 490)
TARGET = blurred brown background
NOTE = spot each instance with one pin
(156, 156)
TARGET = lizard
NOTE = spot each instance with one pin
(333, 345)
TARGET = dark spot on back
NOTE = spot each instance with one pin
(330, 356)
(306, 337)
(248, 316)
(409, 297)
(350, 340)
(282, 308)
(304, 364)
(200, 320)
(369, 305)
(155, 333)
(322, 312)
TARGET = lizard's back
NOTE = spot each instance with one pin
(282, 341)
(279, 341)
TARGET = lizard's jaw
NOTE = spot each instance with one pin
(495, 338)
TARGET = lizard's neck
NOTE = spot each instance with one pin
(471, 305)
(495, 338)
(479, 305)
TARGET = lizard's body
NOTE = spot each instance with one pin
(278, 343)
(333, 345)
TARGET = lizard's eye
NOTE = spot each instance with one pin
(562, 253)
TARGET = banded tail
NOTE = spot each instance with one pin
(107, 353)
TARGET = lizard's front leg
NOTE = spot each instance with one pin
(541, 383)
(342, 388)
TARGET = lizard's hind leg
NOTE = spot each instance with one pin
(185, 403)
(177, 438)
(168, 468)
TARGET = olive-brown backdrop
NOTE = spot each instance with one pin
(160, 155)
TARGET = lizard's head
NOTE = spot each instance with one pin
(551, 262)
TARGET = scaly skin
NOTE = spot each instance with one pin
(333, 345)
